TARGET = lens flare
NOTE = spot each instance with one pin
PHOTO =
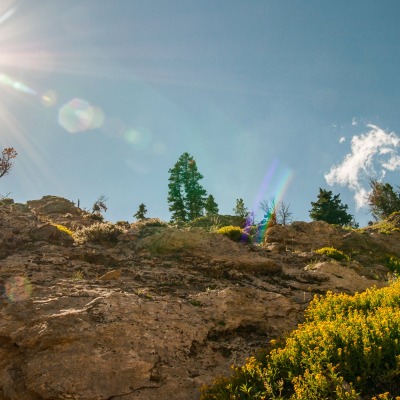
(18, 288)
(49, 99)
(6, 80)
(139, 140)
(276, 181)
(79, 115)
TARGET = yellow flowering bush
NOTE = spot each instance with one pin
(331, 252)
(64, 229)
(234, 233)
(348, 346)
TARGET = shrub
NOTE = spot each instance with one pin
(123, 224)
(331, 252)
(150, 222)
(234, 233)
(101, 232)
(393, 263)
(349, 346)
(96, 217)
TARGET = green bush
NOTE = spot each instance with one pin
(100, 232)
(349, 346)
(234, 233)
(331, 252)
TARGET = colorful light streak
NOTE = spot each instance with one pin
(282, 176)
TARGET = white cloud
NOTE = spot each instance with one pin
(372, 153)
(342, 139)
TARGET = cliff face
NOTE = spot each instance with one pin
(161, 311)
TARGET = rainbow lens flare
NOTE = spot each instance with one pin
(79, 115)
(276, 181)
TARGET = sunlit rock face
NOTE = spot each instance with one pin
(162, 310)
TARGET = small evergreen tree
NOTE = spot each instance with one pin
(186, 196)
(383, 200)
(211, 207)
(329, 208)
(141, 212)
(240, 210)
(6, 160)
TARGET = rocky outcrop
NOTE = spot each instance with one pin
(159, 313)
(305, 236)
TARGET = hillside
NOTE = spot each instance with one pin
(156, 311)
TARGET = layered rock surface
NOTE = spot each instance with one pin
(162, 311)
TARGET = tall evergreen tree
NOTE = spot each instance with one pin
(329, 208)
(211, 206)
(195, 193)
(186, 196)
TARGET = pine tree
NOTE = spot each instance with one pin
(383, 200)
(195, 193)
(186, 196)
(211, 206)
(240, 210)
(329, 208)
(141, 212)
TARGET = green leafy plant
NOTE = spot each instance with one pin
(331, 252)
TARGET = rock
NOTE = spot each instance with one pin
(49, 205)
(343, 278)
(303, 236)
(110, 275)
(51, 234)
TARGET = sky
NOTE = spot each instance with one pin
(272, 98)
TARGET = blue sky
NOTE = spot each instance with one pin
(272, 98)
